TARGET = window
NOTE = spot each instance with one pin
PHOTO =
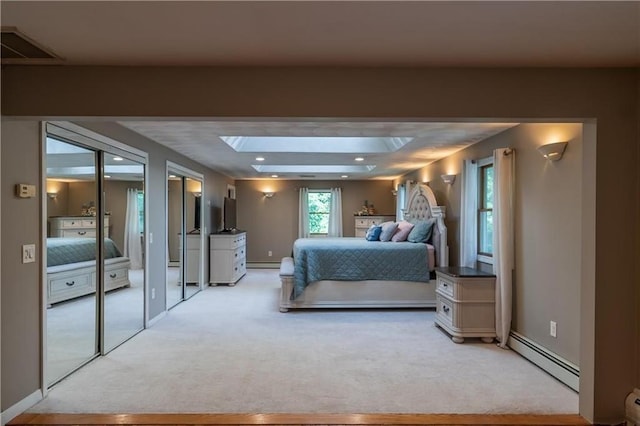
(141, 211)
(319, 208)
(485, 210)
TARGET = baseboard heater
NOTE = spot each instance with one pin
(558, 367)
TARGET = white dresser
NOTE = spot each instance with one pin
(227, 257)
(363, 223)
(76, 226)
(466, 303)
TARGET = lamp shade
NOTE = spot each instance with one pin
(448, 179)
(553, 151)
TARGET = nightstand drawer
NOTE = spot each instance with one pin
(445, 286)
(444, 310)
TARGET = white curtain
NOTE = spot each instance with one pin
(303, 213)
(401, 197)
(503, 244)
(132, 241)
(469, 217)
(335, 214)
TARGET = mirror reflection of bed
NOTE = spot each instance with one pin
(72, 312)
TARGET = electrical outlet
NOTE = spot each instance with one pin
(153, 293)
(270, 253)
(150, 237)
(552, 329)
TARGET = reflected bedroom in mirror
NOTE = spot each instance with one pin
(72, 232)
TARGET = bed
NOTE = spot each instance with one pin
(355, 273)
(71, 268)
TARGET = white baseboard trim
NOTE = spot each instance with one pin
(20, 407)
(263, 265)
(156, 318)
(563, 370)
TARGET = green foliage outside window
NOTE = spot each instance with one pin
(485, 211)
(319, 207)
(141, 211)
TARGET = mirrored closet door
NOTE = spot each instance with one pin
(185, 233)
(192, 258)
(72, 250)
(124, 201)
(94, 280)
(175, 230)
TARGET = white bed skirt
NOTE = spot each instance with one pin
(355, 294)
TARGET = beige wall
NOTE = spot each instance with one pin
(20, 290)
(608, 97)
(272, 223)
(548, 228)
(59, 205)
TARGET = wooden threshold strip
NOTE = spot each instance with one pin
(297, 419)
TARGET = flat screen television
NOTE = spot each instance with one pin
(229, 214)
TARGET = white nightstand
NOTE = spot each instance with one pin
(466, 303)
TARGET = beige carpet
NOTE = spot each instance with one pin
(228, 349)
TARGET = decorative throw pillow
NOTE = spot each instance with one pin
(422, 231)
(373, 233)
(401, 234)
(388, 229)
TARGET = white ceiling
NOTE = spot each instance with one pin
(329, 33)
(202, 141)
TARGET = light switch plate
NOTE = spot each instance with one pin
(28, 253)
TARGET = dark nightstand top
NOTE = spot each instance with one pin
(463, 271)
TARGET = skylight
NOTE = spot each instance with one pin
(315, 144)
(312, 169)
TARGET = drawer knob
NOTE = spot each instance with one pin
(70, 283)
(82, 232)
(445, 309)
(444, 285)
(112, 275)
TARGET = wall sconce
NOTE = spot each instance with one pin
(553, 151)
(52, 195)
(268, 194)
(448, 179)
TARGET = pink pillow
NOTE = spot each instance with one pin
(401, 234)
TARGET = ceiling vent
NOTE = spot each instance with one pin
(20, 49)
(307, 176)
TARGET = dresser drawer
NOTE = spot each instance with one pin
(363, 222)
(239, 254)
(71, 223)
(79, 233)
(88, 223)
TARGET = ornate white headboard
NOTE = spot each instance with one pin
(421, 205)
